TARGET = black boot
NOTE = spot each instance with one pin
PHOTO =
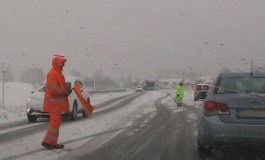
(47, 145)
(58, 146)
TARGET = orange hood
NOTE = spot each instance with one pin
(58, 62)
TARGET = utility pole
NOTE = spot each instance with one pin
(94, 83)
(3, 85)
(251, 68)
(4, 67)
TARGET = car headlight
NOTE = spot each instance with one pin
(28, 110)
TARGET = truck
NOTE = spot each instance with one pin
(149, 85)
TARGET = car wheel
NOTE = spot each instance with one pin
(74, 111)
(32, 118)
(204, 150)
(83, 113)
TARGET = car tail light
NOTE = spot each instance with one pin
(195, 91)
(213, 108)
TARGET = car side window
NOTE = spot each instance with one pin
(68, 86)
(81, 83)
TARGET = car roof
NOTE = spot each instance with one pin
(202, 84)
(242, 74)
(71, 79)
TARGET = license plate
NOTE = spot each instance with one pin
(251, 113)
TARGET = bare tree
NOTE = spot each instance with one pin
(33, 76)
(76, 73)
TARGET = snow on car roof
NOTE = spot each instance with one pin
(73, 79)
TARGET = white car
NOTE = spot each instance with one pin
(34, 105)
(139, 88)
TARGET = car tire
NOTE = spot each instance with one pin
(83, 113)
(32, 118)
(74, 111)
(204, 150)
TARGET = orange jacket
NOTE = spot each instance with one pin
(56, 95)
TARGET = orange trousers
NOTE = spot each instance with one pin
(52, 133)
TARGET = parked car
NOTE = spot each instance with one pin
(233, 112)
(34, 105)
(201, 90)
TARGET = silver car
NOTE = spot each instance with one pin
(233, 112)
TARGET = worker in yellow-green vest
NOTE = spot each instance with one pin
(179, 93)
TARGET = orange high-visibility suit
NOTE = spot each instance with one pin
(55, 101)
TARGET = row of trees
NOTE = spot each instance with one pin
(37, 76)
(178, 74)
(32, 75)
(98, 81)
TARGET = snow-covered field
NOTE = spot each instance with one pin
(75, 134)
(15, 97)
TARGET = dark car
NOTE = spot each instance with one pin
(200, 91)
(233, 112)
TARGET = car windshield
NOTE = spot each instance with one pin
(168, 79)
(241, 85)
(202, 87)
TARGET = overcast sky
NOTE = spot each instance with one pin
(132, 37)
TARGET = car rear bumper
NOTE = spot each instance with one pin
(213, 131)
(201, 95)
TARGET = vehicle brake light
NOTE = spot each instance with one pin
(213, 108)
(195, 91)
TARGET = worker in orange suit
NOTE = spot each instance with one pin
(55, 102)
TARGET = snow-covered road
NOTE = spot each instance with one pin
(77, 133)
